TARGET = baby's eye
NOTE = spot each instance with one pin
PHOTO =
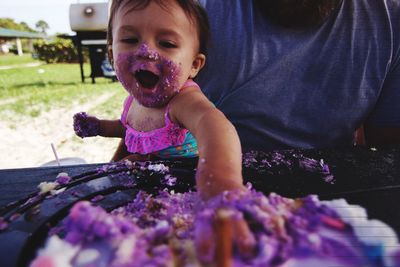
(168, 44)
(130, 40)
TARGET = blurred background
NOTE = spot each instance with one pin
(52, 65)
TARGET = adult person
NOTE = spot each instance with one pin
(305, 73)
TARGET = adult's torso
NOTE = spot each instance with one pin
(298, 88)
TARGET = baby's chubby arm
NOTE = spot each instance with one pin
(220, 156)
(86, 126)
(220, 164)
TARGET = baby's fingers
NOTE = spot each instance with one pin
(79, 123)
(231, 229)
(243, 238)
(205, 238)
(224, 234)
(85, 125)
(214, 238)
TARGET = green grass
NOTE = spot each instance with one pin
(11, 59)
(28, 92)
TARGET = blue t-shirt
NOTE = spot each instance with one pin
(304, 88)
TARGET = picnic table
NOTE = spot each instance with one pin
(366, 176)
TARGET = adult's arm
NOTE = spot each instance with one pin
(383, 125)
(376, 136)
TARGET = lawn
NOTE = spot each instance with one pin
(11, 59)
(28, 92)
(36, 108)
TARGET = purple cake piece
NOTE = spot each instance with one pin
(85, 125)
(163, 230)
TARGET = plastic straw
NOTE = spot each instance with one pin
(55, 154)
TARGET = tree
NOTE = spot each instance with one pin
(9, 23)
(26, 27)
(42, 26)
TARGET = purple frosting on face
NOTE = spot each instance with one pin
(144, 51)
(85, 125)
(145, 59)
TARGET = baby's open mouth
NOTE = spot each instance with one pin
(147, 79)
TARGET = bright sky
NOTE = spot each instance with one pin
(54, 12)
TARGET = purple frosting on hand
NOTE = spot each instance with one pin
(85, 125)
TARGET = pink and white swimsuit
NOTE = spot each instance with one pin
(170, 141)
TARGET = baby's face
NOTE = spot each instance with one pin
(155, 51)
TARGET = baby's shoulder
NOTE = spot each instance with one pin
(189, 100)
(188, 95)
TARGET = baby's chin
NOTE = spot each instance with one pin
(149, 104)
(158, 101)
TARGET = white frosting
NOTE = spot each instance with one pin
(45, 187)
(124, 251)
(62, 174)
(368, 232)
(161, 168)
(58, 251)
(87, 256)
(56, 192)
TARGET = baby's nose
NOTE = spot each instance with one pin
(146, 52)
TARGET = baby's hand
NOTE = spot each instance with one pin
(85, 125)
(218, 229)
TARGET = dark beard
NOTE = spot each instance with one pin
(297, 14)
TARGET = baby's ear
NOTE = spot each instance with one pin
(197, 64)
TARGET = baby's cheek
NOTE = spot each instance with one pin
(171, 75)
(126, 79)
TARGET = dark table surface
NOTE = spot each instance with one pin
(366, 176)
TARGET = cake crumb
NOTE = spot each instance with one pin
(45, 187)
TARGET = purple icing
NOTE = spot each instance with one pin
(3, 224)
(204, 231)
(168, 228)
(88, 223)
(14, 217)
(63, 179)
(277, 162)
(97, 198)
(169, 180)
(128, 65)
(85, 125)
(284, 228)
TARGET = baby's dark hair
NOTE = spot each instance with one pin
(192, 9)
